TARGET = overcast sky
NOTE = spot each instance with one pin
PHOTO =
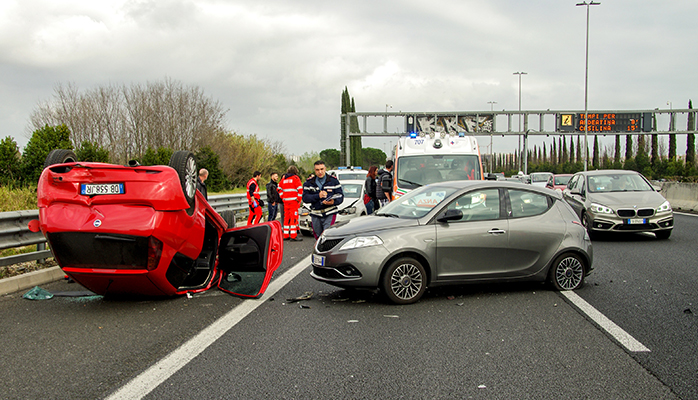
(280, 66)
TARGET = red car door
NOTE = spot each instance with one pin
(248, 257)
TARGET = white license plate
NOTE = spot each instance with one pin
(318, 260)
(91, 189)
(637, 221)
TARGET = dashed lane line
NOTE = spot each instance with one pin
(623, 337)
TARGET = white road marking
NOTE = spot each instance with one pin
(606, 324)
(148, 380)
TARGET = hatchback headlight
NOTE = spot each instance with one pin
(361, 241)
(664, 207)
(600, 209)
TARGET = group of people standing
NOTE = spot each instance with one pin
(378, 187)
(322, 191)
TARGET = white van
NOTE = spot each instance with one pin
(438, 157)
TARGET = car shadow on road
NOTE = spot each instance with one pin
(439, 293)
(620, 237)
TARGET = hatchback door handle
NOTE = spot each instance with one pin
(496, 231)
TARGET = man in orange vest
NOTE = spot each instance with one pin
(254, 200)
(291, 191)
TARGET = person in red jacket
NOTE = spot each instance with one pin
(255, 202)
(291, 191)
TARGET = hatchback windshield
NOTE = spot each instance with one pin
(618, 183)
(416, 203)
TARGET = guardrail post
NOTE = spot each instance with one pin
(40, 247)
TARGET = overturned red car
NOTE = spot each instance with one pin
(146, 230)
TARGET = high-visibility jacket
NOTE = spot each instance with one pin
(291, 188)
(253, 192)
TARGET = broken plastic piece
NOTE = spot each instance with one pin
(304, 296)
(38, 293)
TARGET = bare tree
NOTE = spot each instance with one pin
(128, 120)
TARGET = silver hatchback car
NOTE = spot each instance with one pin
(619, 201)
(457, 232)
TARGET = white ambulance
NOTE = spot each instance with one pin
(421, 159)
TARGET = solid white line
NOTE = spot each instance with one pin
(686, 214)
(606, 324)
(148, 380)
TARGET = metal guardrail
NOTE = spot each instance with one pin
(14, 230)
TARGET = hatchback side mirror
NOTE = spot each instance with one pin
(450, 215)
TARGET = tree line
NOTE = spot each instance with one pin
(147, 123)
(643, 153)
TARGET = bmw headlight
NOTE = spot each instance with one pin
(361, 241)
(600, 209)
(664, 207)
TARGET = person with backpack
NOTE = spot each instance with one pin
(384, 190)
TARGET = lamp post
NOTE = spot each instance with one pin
(518, 159)
(586, 88)
(491, 103)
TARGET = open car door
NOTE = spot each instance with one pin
(248, 257)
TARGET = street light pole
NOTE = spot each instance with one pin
(491, 103)
(518, 159)
(586, 88)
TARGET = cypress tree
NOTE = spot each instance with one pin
(545, 156)
(617, 163)
(343, 127)
(572, 158)
(691, 138)
(628, 147)
(654, 160)
(356, 146)
(579, 149)
(596, 152)
(564, 151)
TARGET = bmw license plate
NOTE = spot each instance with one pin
(91, 189)
(318, 260)
(636, 221)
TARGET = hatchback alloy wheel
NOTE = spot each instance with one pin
(567, 272)
(404, 281)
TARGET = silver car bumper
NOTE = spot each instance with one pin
(615, 223)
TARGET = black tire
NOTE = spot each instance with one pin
(404, 281)
(587, 224)
(184, 163)
(567, 272)
(60, 156)
(306, 233)
(663, 235)
(229, 218)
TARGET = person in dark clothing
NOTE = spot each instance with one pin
(273, 198)
(384, 190)
(324, 193)
(370, 199)
(201, 182)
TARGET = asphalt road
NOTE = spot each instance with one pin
(478, 341)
